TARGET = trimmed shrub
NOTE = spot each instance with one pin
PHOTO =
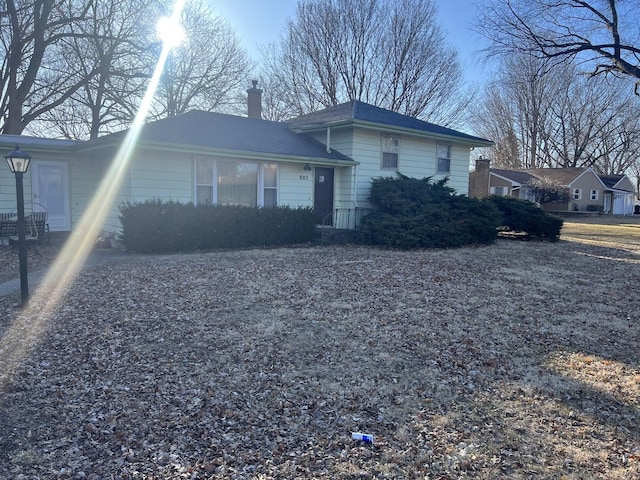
(413, 213)
(523, 216)
(157, 226)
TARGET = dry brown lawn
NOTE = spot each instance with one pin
(518, 360)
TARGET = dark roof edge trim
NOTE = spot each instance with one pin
(460, 138)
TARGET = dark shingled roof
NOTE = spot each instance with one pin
(356, 111)
(517, 176)
(610, 180)
(564, 175)
(227, 132)
(36, 142)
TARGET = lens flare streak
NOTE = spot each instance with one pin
(32, 322)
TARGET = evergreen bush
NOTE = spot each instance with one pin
(157, 226)
(523, 216)
(421, 213)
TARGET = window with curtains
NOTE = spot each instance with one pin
(237, 183)
(228, 182)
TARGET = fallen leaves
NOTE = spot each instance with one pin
(473, 363)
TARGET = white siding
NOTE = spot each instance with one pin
(167, 176)
(343, 187)
(149, 176)
(417, 159)
(459, 176)
(83, 183)
(296, 186)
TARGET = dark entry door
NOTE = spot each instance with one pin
(323, 192)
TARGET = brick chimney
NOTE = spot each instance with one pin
(254, 101)
(479, 178)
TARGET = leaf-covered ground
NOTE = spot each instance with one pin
(518, 360)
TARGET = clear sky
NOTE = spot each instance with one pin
(259, 22)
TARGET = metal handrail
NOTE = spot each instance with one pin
(343, 219)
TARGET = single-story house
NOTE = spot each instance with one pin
(586, 189)
(324, 160)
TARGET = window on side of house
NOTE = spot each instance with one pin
(499, 190)
(444, 158)
(577, 194)
(390, 150)
(593, 195)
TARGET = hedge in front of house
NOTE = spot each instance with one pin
(157, 226)
(523, 216)
(413, 213)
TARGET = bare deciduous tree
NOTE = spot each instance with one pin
(388, 53)
(516, 112)
(604, 34)
(208, 71)
(547, 190)
(112, 53)
(551, 116)
(31, 33)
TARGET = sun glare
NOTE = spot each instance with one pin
(26, 329)
(170, 31)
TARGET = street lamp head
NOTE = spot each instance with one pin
(18, 160)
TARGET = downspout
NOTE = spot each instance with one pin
(355, 186)
(328, 139)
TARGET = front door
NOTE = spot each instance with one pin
(50, 190)
(323, 193)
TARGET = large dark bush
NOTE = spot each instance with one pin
(413, 213)
(522, 216)
(157, 226)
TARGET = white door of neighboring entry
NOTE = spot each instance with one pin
(618, 204)
(50, 188)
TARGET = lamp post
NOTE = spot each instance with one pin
(18, 161)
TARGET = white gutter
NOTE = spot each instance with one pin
(355, 186)
(328, 139)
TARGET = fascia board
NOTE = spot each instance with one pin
(386, 128)
(244, 155)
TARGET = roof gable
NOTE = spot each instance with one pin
(356, 112)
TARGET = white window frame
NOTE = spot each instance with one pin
(577, 194)
(447, 158)
(594, 194)
(261, 186)
(214, 183)
(384, 146)
(499, 190)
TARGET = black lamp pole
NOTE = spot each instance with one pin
(18, 161)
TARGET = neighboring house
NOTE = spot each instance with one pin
(325, 160)
(586, 190)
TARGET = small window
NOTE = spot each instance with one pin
(270, 181)
(204, 180)
(594, 195)
(390, 149)
(444, 158)
(577, 193)
(500, 190)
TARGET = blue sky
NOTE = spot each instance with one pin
(260, 22)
